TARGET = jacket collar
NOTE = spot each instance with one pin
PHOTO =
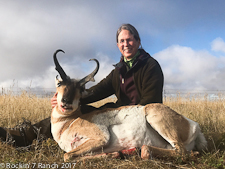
(143, 56)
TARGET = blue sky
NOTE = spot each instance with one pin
(185, 37)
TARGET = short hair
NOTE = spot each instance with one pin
(131, 29)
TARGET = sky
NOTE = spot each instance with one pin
(186, 37)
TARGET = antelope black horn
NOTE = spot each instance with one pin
(58, 67)
(90, 77)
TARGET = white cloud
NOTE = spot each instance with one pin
(187, 69)
(218, 45)
(30, 32)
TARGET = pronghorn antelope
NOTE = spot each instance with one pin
(155, 127)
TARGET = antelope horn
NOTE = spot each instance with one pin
(58, 67)
(90, 77)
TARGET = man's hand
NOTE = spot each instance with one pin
(54, 100)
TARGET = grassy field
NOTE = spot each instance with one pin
(209, 114)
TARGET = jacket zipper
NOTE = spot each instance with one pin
(122, 80)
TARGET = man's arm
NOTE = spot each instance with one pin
(152, 84)
(100, 91)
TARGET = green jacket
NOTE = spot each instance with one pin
(146, 74)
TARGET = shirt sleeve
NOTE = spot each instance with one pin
(100, 91)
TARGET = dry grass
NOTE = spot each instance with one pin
(209, 114)
(13, 108)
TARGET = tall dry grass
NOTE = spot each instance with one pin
(209, 114)
(15, 107)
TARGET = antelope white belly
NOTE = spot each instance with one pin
(129, 128)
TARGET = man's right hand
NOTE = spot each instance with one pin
(54, 100)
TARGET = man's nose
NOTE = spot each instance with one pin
(126, 42)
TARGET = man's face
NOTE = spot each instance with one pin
(127, 44)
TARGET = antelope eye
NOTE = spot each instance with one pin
(58, 84)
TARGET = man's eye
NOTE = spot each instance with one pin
(121, 41)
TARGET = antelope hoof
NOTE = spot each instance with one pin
(194, 153)
(67, 157)
(180, 149)
(145, 154)
(114, 155)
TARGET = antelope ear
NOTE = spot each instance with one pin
(57, 81)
